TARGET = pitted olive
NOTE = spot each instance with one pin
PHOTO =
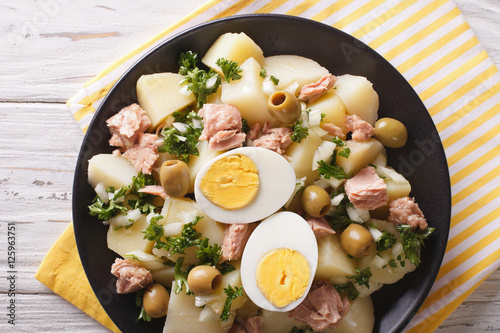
(390, 132)
(315, 201)
(284, 107)
(174, 177)
(357, 241)
(203, 280)
(155, 300)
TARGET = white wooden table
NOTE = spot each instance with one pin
(48, 50)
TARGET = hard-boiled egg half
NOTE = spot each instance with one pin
(279, 262)
(244, 185)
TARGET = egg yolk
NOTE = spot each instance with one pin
(283, 276)
(231, 182)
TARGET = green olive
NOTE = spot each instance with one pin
(284, 107)
(174, 177)
(357, 241)
(315, 201)
(203, 280)
(155, 300)
(390, 132)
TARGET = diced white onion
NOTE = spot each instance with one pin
(187, 216)
(333, 182)
(146, 260)
(123, 220)
(134, 214)
(314, 118)
(174, 228)
(100, 190)
(268, 86)
(197, 123)
(185, 91)
(378, 262)
(211, 82)
(150, 216)
(337, 199)
(391, 173)
(181, 138)
(376, 234)
(299, 183)
(358, 215)
(397, 249)
(292, 88)
(321, 133)
(323, 153)
(208, 315)
(305, 119)
(204, 300)
(181, 127)
(321, 183)
(380, 160)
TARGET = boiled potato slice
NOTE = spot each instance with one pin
(333, 108)
(164, 275)
(278, 322)
(362, 154)
(183, 316)
(359, 319)
(125, 240)
(358, 96)
(237, 47)
(110, 170)
(197, 162)
(381, 272)
(247, 94)
(333, 262)
(301, 156)
(289, 69)
(161, 94)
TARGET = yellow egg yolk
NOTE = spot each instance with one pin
(283, 276)
(231, 182)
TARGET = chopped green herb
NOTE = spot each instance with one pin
(189, 237)
(326, 170)
(245, 128)
(231, 294)
(180, 278)
(138, 302)
(263, 73)
(226, 268)
(275, 80)
(413, 241)
(105, 211)
(200, 82)
(155, 232)
(349, 288)
(299, 132)
(208, 254)
(230, 69)
(362, 277)
(386, 241)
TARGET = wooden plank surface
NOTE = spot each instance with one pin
(49, 49)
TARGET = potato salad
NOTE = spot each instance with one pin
(252, 194)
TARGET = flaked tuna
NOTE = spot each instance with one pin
(319, 226)
(367, 190)
(221, 126)
(131, 276)
(333, 130)
(144, 153)
(126, 125)
(276, 139)
(251, 325)
(154, 190)
(322, 308)
(235, 238)
(406, 211)
(361, 130)
(311, 92)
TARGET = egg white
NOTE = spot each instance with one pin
(276, 186)
(281, 230)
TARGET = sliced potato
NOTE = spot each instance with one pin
(247, 94)
(333, 262)
(332, 107)
(289, 69)
(359, 319)
(125, 240)
(358, 96)
(278, 322)
(301, 156)
(110, 170)
(362, 154)
(237, 47)
(161, 94)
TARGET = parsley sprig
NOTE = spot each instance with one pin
(413, 241)
(199, 81)
(333, 169)
(385, 242)
(231, 295)
(299, 132)
(230, 69)
(180, 277)
(182, 144)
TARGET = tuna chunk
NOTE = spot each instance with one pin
(154, 190)
(144, 153)
(322, 308)
(406, 211)
(319, 226)
(251, 325)
(235, 238)
(313, 91)
(361, 130)
(275, 139)
(333, 130)
(126, 125)
(221, 126)
(131, 276)
(366, 190)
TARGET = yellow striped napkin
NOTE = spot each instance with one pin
(430, 43)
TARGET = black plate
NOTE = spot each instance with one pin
(422, 161)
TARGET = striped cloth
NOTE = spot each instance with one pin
(430, 43)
